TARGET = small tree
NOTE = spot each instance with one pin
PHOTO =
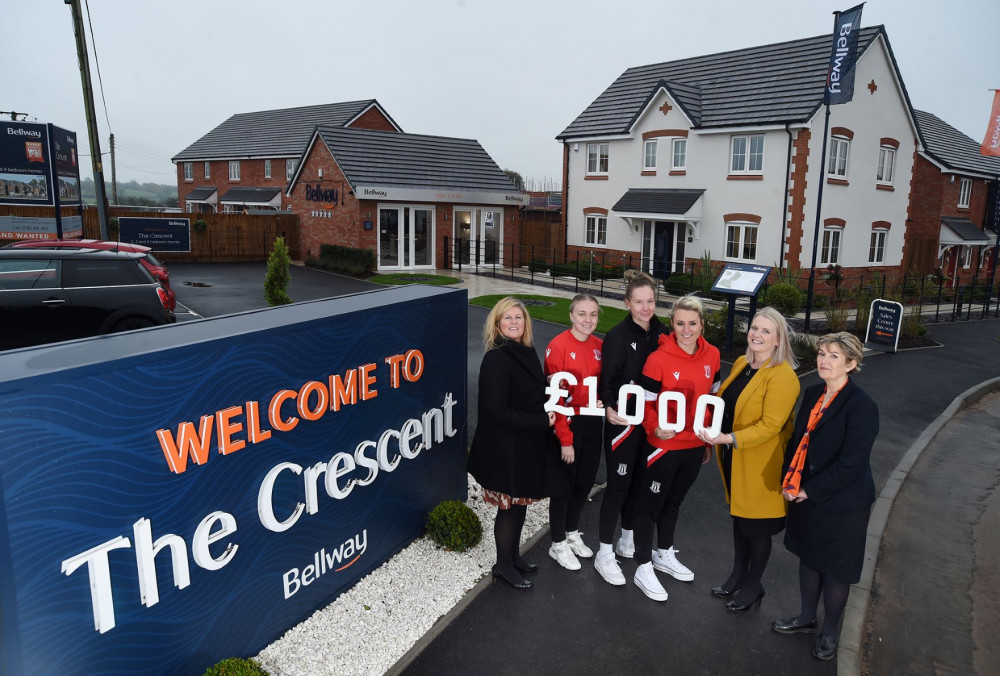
(278, 276)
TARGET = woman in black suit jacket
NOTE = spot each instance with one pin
(513, 440)
(828, 483)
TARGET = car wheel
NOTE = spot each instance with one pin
(131, 324)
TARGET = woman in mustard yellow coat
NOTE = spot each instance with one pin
(760, 395)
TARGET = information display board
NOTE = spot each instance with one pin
(177, 495)
(741, 279)
(884, 323)
(160, 234)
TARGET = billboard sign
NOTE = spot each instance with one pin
(66, 165)
(177, 495)
(160, 234)
(25, 175)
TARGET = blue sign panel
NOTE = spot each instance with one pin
(177, 495)
(160, 234)
(741, 279)
(25, 173)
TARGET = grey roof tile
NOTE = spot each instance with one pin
(768, 84)
(270, 133)
(657, 201)
(965, 229)
(952, 148)
(251, 195)
(201, 193)
(381, 158)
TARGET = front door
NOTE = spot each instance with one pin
(478, 235)
(663, 245)
(406, 236)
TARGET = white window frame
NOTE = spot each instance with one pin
(598, 152)
(208, 172)
(876, 246)
(267, 168)
(188, 171)
(648, 154)
(680, 143)
(965, 193)
(234, 170)
(831, 244)
(838, 157)
(595, 230)
(744, 230)
(744, 162)
(290, 166)
(886, 165)
(966, 257)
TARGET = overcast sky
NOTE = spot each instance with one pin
(511, 74)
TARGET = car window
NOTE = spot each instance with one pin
(152, 260)
(29, 274)
(83, 273)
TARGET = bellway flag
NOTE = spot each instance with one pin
(843, 57)
(991, 142)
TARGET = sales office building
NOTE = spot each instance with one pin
(420, 202)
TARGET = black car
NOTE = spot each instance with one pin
(53, 295)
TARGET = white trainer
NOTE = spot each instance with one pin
(561, 552)
(666, 560)
(577, 545)
(625, 548)
(646, 580)
(608, 567)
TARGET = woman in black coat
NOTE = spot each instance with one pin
(828, 483)
(513, 440)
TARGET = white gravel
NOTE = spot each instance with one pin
(370, 626)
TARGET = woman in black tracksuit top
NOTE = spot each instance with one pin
(623, 354)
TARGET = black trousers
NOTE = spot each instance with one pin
(564, 512)
(622, 448)
(663, 487)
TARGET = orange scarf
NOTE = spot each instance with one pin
(792, 482)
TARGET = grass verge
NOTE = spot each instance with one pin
(413, 278)
(558, 312)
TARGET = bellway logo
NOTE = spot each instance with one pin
(24, 132)
(335, 560)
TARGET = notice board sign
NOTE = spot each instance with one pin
(177, 495)
(741, 279)
(884, 323)
(159, 234)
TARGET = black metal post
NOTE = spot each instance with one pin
(819, 208)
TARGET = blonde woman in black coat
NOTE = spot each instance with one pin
(513, 441)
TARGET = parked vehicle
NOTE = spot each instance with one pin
(49, 295)
(149, 261)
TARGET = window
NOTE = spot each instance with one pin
(29, 274)
(597, 158)
(597, 230)
(207, 172)
(649, 155)
(188, 172)
(966, 257)
(679, 156)
(741, 241)
(837, 165)
(234, 170)
(831, 246)
(747, 155)
(876, 250)
(267, 168)
(289, 169)
(965, 192)
(886, 160)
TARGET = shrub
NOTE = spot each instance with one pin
(837, 315)
(715, 328)
(912, 328)
(538, 265)
(805, 351)
(278, 276)
(346, 260)
(453, 525)
(200, 224)
(678, 284)
(236, 666)
(784, 298)
(568, 269)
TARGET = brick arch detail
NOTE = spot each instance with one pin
(842, 131)
(881, 225)
(595, 210)
(887, 141)
(834, 223)
(664, 132)
(739, 216)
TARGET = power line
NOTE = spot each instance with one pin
(97, 64)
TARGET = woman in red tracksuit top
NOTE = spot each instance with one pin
(684, 362)
(576, 351)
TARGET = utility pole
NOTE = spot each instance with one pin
(88, 103)
(114, 180)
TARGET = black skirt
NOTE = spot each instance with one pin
(832, 542)
(754, 528)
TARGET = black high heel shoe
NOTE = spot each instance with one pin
(516, 584)
(722, 592)
(525, 567)
(735, 607)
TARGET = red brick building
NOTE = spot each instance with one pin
(950, 203)
(246, 162)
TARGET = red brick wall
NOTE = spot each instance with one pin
(608, 256)
(251, 176)
(373, 119)
(345, 223)
(797, 195)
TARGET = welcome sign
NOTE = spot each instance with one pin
(178, 495)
